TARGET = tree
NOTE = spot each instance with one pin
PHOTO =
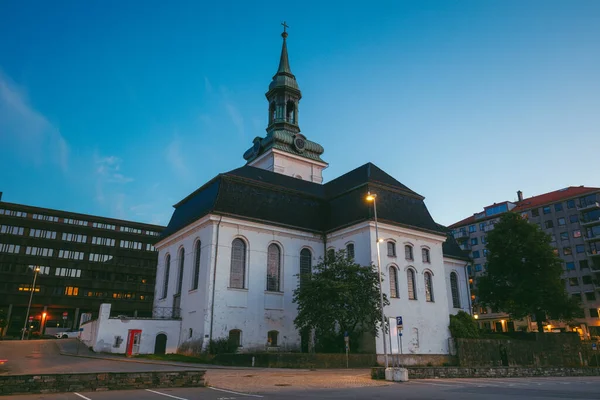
(463, 325)
(3, 322)
(339, 296)
(524, 274)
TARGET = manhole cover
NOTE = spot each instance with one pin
(283, 384)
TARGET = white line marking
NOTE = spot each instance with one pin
(82, 396)
(229, 391)
(164, 394)
(433, 384)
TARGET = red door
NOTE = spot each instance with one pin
(133, 341)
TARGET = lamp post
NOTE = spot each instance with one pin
(373, 198)
(36, 270)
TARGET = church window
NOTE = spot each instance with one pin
(410, 278)
(237, 275)
(196, 276)
(305, 265)
(428, 286)
(391, 248)
(272, 338)
(235, 337)
(181, 266)
(394, 282)
(290, 112)
(350, 251)
(190, 333)
(454, 290)
(425, 253)
(272, 112)
(167, 273)
(408, 252)
(330, 255)
(273, 268)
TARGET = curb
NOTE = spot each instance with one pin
(203, 366)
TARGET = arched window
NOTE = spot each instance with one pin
(454, 290)
(428, 287)
(167, 273)
(350, 251)
(272, 112)
(290, 112)
(425, 253)
(196, 276)
(408, 252)
(180, 276)
(190, 333)
(235, 337)
(305, 265)
(330, 255)
(272, 338)
(394, 282)
(273, 268)
(391, 248)
(410, 279)
(237, 273)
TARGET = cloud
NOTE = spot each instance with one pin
(175, 158)
(28, 132)
(108, 169)
(236, 118)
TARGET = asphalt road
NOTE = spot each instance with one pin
(453, 389)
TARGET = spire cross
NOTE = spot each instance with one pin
(284, 26)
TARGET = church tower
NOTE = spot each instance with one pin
(284, 149)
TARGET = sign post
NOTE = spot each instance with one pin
(399, 326)
(347, 343)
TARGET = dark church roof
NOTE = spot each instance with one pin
(256, 194)
(451, 248)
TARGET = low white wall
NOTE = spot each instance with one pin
(112, 329)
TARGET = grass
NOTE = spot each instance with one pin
(177, 358)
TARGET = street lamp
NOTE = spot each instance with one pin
(35, 273)
(373, 198)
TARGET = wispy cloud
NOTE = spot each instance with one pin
(27, 131)
(108, 168)
(236, 118)
(175, 158)
(110, 182)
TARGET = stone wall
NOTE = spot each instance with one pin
(494, 372)
(296, 360)
(85, 382)
(406, 360)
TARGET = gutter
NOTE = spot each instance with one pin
(212, 303)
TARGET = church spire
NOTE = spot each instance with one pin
(284, 63)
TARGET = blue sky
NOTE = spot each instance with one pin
(122, 108)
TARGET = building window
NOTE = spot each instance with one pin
(564, 236)
(574, 218)
(39, 233)
(476, 254)
(583, 264)
(272, 338)
(425, 255)
(196, 276)
(573, 282)
(68, 272)
(580, 248)
(567, 251)
(571, 203)
(561, 221)
(570, 266)
(558, 207)
(477, 267)
(305, 265)
(391, 248)
(9, 248)
(103, 226)
(350, 251)
(103, 241)
(546, 210)
(394, 282)
(472, 228)
(590, 296)
(129, 244)
(410, 278)
(549, 224)
(39, 251)
(99, 257)
(72, 255)
(483, 240)
(167, 273)
(408, 252)
(482, 226)
(181, 270)
(73, 237)
(428, 286)
(237, 273)
(454, 290)
(593, 313)
(273, 268)
(235, 337)
(587, 280)
(331, 255)
(535, 212)
(474, 241)
(71, 291)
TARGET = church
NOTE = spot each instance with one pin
(230, 256)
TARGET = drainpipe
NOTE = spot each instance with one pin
(212, 303)
(468, 289)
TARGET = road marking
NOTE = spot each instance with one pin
(433, 384)
(82, 396)
(164, 394)
(230, 391)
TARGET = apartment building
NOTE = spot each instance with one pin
(81, 262)
(571, 216)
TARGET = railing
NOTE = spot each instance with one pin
(588, 205)
(461, 234)
(166, 313)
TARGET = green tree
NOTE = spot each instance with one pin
(524, 274)
(339, 296)
(463, 325)
(3, 321)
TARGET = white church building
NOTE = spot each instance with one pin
(230, 256)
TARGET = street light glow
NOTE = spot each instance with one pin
(371, 197)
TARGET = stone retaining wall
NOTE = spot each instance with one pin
(85, 382)
(492, 372)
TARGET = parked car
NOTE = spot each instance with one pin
(67, 334)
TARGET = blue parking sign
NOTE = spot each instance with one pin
(399, 322)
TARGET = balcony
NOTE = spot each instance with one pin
(461, 235)
(591, 237)
(590, 222)
(587, 206)
(166, 313)
(465, 246)
(488, 228)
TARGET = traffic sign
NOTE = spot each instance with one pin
(399, 323)
(594, 347)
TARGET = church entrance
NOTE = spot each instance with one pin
(160, 345)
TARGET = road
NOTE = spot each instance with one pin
(453, 389)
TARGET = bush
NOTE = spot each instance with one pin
(463, 325)
(221, 346)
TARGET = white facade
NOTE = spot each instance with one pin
(458, 267)
(255, 311)
(291, 165)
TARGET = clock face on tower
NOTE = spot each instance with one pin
(299, 143)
